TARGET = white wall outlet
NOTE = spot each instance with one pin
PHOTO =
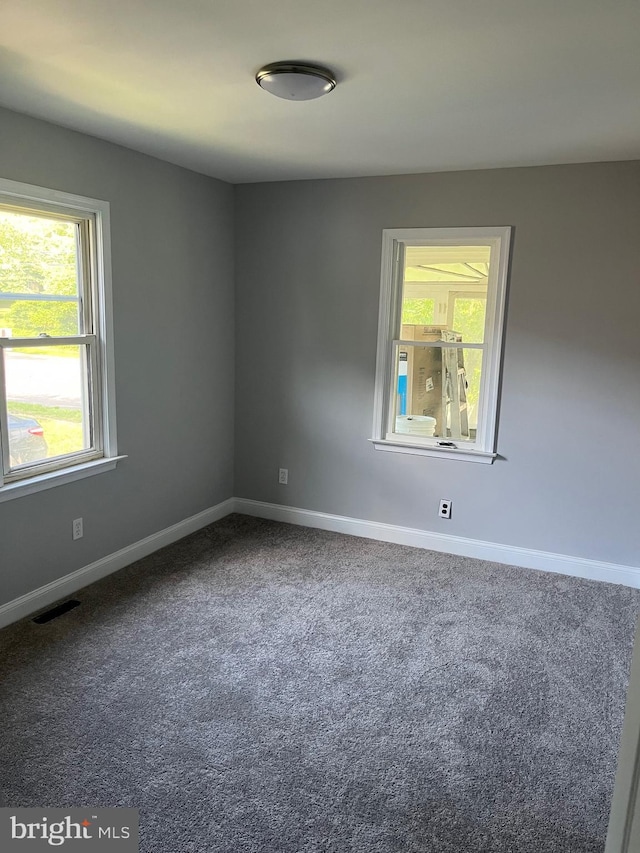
(444, 511)
(283, 476)
(77, 528)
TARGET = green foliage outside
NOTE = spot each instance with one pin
(29, 319)
(37, 256)
(61, 436)
(38, 411)
(417, 312)
(468, 320)
(62, 427)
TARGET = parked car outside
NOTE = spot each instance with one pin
(26, 440)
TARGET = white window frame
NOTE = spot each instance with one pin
(97, 256)
(394, 241)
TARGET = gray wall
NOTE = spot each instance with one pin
(307, 279)
(307, 283)
(173, 317)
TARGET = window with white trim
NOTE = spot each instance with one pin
(442, 303)
(57, 415)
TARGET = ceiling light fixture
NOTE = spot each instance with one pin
(294, 81)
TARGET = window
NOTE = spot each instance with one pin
(57, 418)
(439, 341)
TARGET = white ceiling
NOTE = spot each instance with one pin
(424, 85)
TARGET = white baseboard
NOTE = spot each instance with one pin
(513, 556)
(508, 554)
(54, 591)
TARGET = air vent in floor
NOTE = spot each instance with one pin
(56, 611)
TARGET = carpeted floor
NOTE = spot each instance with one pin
(263, 688)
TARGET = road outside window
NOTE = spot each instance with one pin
(54, 365)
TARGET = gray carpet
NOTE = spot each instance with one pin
(263, 688)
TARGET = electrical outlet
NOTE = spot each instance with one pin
(283, 476)
(77, 528)
(444, 510)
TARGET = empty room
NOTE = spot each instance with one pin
(318, 407)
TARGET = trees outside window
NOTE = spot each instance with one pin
(439, 341)
(56, 358)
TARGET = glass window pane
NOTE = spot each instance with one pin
(437, 392)
(473, 375)
(418, 312)
(47, 402)
(446, 287)
(39, 277)
(468, 317)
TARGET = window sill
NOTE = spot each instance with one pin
(458, 453)
(57, 478)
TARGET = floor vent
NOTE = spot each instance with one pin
(56, 611)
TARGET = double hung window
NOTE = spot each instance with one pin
(439, 342)
(56, 359)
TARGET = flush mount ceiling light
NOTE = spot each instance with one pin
(294, 81)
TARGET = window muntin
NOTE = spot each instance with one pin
(437, 379)
(56, 409)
